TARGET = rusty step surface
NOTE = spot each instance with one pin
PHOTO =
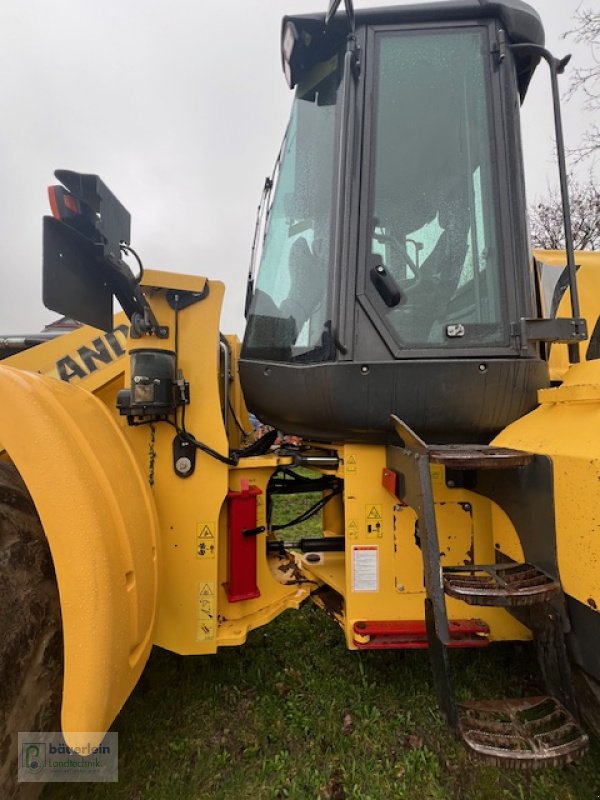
(411, 634)
(527, 733)
(499, 584)
(473, 456)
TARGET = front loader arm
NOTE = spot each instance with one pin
(100, 520)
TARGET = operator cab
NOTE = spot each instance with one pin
(395, 275)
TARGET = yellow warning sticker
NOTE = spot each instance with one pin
(206, 614)
(373, 516)
(352, 530)
(351, 465)
(373, 511)
(374, 529)
(205, 540)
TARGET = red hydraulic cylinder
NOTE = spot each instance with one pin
(242, 543)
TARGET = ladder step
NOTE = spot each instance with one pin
(411, 634)
(499, 584)
(473, 456)
(526, 733)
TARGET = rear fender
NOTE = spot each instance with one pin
(100, 520)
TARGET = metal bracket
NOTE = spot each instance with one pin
(184, 457)
(412, 462)
(179, 299)
(563, 330)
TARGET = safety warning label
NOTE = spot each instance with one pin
(205, 540)
(365, 568)
(206, 622)
(373, 511)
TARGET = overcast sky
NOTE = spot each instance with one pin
(180, 107)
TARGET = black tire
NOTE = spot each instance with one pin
(31, 659)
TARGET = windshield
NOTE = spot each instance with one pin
(432, 217)
(290, 313)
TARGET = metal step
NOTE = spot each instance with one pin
(473, 456)
(499, 584)
(411, 634)
(527, 733)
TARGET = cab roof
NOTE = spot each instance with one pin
(520, 21)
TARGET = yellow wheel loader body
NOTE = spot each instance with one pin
(100, 520)
(566, 427)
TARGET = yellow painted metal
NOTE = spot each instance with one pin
(380, 530)
(566, 427)
(101, 525)
(110, 501)
(84, 357)
(588, 281)
(184, 282)
(194, 614)
(186, 507)
(277, 578)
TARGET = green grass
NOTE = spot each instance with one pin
(293, 714)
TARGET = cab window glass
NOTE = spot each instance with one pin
(433, 217)
(290, 312)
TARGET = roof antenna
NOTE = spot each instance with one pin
(333, 7)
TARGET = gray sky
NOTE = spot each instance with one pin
(180, 107)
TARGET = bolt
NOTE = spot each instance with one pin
(183, 465)
(364, 369)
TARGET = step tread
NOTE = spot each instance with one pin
(473, 456)
(524, 733)
(499, 584)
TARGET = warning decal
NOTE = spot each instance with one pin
(351, 465)
(365, 568)
(373, 514)
(206, 616)
(205, 540)
(352, 531)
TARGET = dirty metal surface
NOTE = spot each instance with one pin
(472, 456)
(526, 733)
(499, 584)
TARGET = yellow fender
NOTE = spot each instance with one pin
(101, 523)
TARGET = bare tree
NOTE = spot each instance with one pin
(546, 219)
(586, 80)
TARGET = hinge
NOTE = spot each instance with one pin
(499, 47)
(515, 334)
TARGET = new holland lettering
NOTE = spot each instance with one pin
(89, 358)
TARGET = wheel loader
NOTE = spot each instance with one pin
(440, 380)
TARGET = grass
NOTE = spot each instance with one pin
(293, 714)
